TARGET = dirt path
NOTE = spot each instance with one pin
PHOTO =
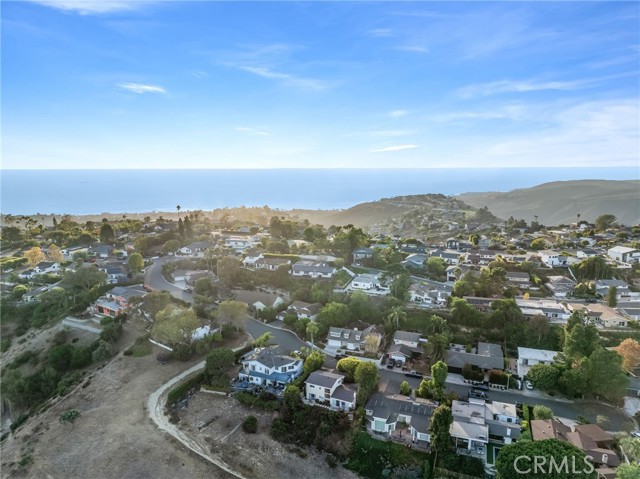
(156, 405)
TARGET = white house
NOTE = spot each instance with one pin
(312, 269)
(263, 366)
(528, 357)
(271, 264)
(46, 267)
(603, 285)
(67, 253)
(624, 254)
(353, 339)
(560, 286)
(301, 310)
(250, 260)
(364, 282)
(362, 253)
(408, 339)
(325, 387)
(586, 253)
(552, 258)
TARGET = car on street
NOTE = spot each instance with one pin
(340, 355)
(477, 394)
(528, 384)
(413, 374)
(398, 363)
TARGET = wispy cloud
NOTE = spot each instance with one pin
(141, 88)
(381, 32)
(251, 131)
(391, 133)
(394, 148)
(510, 112)
(287, 78)
(93, 7)
(412, 48)
(521, 86)
(398, 113)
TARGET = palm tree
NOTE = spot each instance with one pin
(178, 208)
(312, 328)
(397, 313)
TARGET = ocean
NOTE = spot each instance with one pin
(26, 192)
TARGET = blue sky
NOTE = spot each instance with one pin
(159, 84)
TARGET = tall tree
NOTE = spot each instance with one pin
(581, 337)
(34, 256)
(136, 263)
(366, 375)
(439, 374)
(606, 376)
(439, 429)
(314, 361)
(107, 234)
(312, 329)
(400, 287)
(54, 254)
(232, 313)
(544, 376)
(606, 221)
(437, 345)
(174, 325)
(629, 349)
(612, 297)
(396, 315)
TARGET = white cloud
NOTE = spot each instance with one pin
(522, 86)
(141, 88)
(252, 131)
(412, 48)
(398, 113)
(509, 112)
(391, 133)
(381, 32)
(394, 148)
(299, 82)
(92, 7)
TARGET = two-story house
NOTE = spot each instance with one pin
(560, 286)
(528, 357)
(624, 254)
(385, 414)
(118, 300)
(354, 339)
(46, 267)
(328, 388)
(301, 310)
(265, 367)
(360, 254)
(552, 258)
(364, 282)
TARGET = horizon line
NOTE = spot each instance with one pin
(325, 168)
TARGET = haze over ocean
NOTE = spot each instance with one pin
(136, 191)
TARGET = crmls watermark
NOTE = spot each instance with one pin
(549, 465)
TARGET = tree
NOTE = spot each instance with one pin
(83, 280)
(516, 460)
(606, 376)
(136, 263)
(312, 328)
(360, 306)
(629, 349)
(436, 267)
(263, 340)
(171, 246)
(539, 327)
(314, 361)
(218, 364)
(250, 425)
(174, 325)
(538, 244)
(366, 375)
(437, 345)
(463, 313)
(631, 446)
(232, 313)
(348, 367)
(628, 471)
(396, 315)
(54, 254)
(574, 382)
(439, 375)
(542, 412)
(107, 235)
(400, 287)
(544, 376)
(592, 268)
(581, 337)
(405, 388)
(69, 415)
(155, 302)
(103, 352)
(60, 357)
(34, 256)
(606, 221)
(228, 271)
(612, 297)
(439, 429)
(333, 315)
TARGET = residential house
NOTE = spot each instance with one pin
(362, 253)
(238, 243)
(415, 260)
(478, 422)
(555, 311)
(528, 357)
(407, 338)
(101, 250)
(264, 367)
(196, 249)
(26, 274)
(586, 253)
(481, 304)
(189, 277)
(589, 438)
(32, 295)
(301, 310)
(365, 282)
(429, 293)
(250, 260)
(552, 258)
(386, 415)
(560, 286)
(67, 253)
(353, 339)
(118, 300)
(603, 285)
(449, 256)
(46, 267)
(271, 264)
(624, 254)
(518, 279)
(312, 269)
(629, 309)
(116, 272)
(258, 301)
(328, 388)
(601, 314)
(485, 357)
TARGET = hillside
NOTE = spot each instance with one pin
(560, 202)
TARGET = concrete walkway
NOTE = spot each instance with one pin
(80, 324)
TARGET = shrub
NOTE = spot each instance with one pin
(181, 390)
(250, 425)
(20, 420)
(70, 415)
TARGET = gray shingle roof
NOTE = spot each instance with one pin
(323, 379)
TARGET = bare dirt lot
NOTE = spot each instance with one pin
(115, 438)
(217, 420)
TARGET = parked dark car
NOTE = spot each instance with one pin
(398, 363)
(340, 355)
(391, 364)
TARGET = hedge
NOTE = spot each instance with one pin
(181, 390)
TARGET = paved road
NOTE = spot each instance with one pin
(153, 279)
(285, 339)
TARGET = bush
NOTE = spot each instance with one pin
(20, 420)
(181, 390)
(250, 425)
(70, 415)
